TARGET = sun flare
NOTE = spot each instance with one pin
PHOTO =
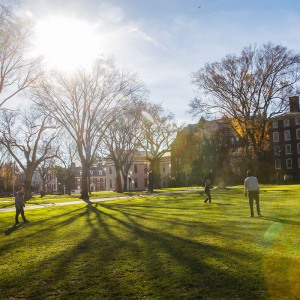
(66, 43)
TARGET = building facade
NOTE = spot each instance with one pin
(285, 144)
(97, 178)
(51, 183)
(206, 150)
(138, 175)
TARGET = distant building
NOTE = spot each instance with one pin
(97, 178)
(51, 182)
(205, 150)
(285, 143)
(138, 173)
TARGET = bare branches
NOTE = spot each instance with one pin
(256, 82)
(29, 139)
(87, 102)
(17, 71)
(249, 88)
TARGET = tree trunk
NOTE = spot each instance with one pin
(125, 176)
(155, 167)
(84, 181)
(28, 178)
(119, 188)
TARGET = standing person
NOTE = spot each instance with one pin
(207, 189)
(19, 203)
(251, 189)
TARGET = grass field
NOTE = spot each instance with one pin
(166, 246)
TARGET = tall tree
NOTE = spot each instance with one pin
(85, 103)
(29, 139)
(249, 88)
(17, 69)
(159, 131)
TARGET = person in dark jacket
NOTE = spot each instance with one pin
(207, 189)
(20, 204)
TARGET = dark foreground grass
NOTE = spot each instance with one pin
(164, 247)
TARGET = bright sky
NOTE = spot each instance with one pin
(161, 40)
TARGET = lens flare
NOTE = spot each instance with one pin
(147, 116)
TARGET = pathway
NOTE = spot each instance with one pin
(38, 206)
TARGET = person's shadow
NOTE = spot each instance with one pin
(11, 229)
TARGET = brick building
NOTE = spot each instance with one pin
(285, 143)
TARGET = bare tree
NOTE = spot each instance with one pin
(45, 170)
(159, 131)
(65, 162)
(122, 140)
(249, 89)
(86, 103)
(17, 69)
(29, 139)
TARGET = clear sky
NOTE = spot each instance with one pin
(161, 40)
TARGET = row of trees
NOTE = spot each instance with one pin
(99, 111)
(104, 111)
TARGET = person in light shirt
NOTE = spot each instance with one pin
(251, 189)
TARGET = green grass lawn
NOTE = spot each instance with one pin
(167, 246)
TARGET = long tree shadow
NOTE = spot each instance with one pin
(123, 250)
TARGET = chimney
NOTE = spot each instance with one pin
(294, 104)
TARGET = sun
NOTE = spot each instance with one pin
(66, 43)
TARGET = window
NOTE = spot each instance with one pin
(275, 124)
(287, 135)
(135, 168)
(275, 137)
(297, 121)
(298, 133)
(164, 168)
(110, 171)
(288, 149)
(277, 164)
(277, 150)
(289, 163)
(286, 122)
(298, 148)
(136, 183)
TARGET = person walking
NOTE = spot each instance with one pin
(207, 189)
(19, 203)
(251, 189)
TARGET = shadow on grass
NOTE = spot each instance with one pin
(11, 230)
(130, 255)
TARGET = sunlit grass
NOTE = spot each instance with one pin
(169, 246)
